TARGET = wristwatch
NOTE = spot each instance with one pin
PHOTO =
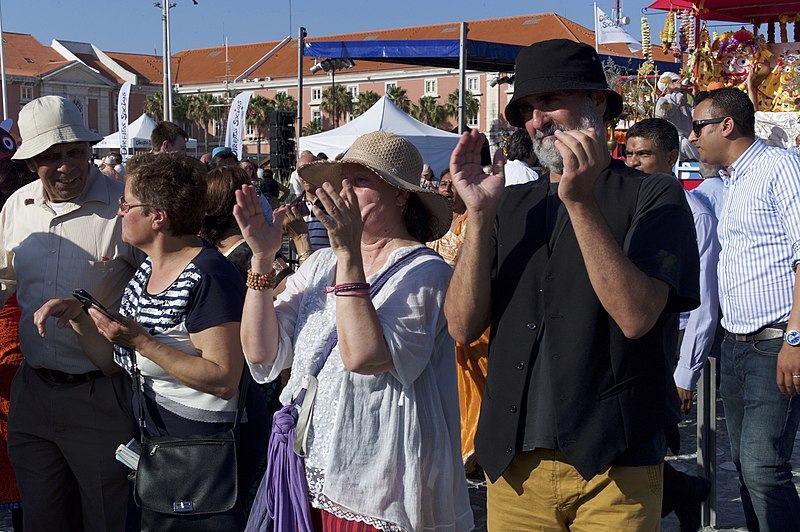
(792, 338)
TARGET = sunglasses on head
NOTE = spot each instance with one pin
(698, 125)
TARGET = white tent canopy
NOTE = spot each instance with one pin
(433, 144)
(138, 136)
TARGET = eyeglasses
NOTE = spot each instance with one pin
(124, 206)
(698, 125)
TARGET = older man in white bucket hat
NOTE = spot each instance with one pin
(68, 415)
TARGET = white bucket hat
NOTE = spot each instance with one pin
(48, 121)
(395, 160)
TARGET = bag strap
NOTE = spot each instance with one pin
(308, 389)
(138, 381)
(373, 291)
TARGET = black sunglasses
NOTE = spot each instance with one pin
(698, 125)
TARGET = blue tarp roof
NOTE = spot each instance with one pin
(482, 56)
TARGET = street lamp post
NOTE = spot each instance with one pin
(332, 65)
(167, 89)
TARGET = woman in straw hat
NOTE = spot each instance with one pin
(382, 450)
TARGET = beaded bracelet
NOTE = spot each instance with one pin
(349, 289)
(304, 255)
(260, 281)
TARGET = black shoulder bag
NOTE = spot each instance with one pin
(188, 483)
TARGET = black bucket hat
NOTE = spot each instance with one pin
(559, 65)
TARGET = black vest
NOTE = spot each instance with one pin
(612, 392)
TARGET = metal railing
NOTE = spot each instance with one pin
(707, 437)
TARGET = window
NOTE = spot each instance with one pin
(353, 90)
(316, 95)
(473, 84)
(26, 93)
(431, 87)
(390, 85)
(316, 116)
(251, 130)
(472, 121)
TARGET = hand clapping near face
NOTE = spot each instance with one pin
(585, 155)
(342, 217)
(478, 190)
(264, 239)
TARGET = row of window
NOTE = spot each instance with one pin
(431, 88)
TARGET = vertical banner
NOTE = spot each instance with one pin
(122, 120)
(236, 120)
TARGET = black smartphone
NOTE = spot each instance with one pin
(88, 300)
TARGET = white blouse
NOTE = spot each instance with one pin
(382, 449)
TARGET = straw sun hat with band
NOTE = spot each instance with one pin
(395, 160)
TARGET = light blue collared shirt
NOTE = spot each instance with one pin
(759, 232)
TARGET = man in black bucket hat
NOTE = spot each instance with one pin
(579, 276)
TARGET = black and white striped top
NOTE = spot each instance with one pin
(209, 292)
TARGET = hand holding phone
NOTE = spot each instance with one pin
(87, 300)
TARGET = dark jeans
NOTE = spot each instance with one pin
(762, 423)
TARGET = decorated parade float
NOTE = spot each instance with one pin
(762, 58)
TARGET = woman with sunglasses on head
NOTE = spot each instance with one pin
(382, 448)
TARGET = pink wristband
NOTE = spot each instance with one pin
(349, 289)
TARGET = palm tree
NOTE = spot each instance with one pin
(258, 114)
(312, 128)
(428, 111)
(471, 105)
(364, 101)
(201, 112)
(180, 108)
(285, 102)
(336, 101)
(154, 106)
(397, 95)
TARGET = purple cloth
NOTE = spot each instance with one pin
(282, 497)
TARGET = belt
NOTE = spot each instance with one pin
(59, 377)
(770, 332)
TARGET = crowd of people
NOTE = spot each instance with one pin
(541, 325)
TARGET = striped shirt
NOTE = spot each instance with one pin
(317, 234)
(209, 292)
(759, 232)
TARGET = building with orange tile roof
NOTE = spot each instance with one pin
(92, 78)
(225, 71)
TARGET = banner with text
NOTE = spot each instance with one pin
(122, 120)
(236, 119)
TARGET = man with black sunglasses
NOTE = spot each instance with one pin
(759, 233)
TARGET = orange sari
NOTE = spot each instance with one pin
(471, 360)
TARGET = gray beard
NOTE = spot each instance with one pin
(545, 148)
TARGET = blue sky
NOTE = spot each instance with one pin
(135, 25)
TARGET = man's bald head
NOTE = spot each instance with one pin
(306, 157)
